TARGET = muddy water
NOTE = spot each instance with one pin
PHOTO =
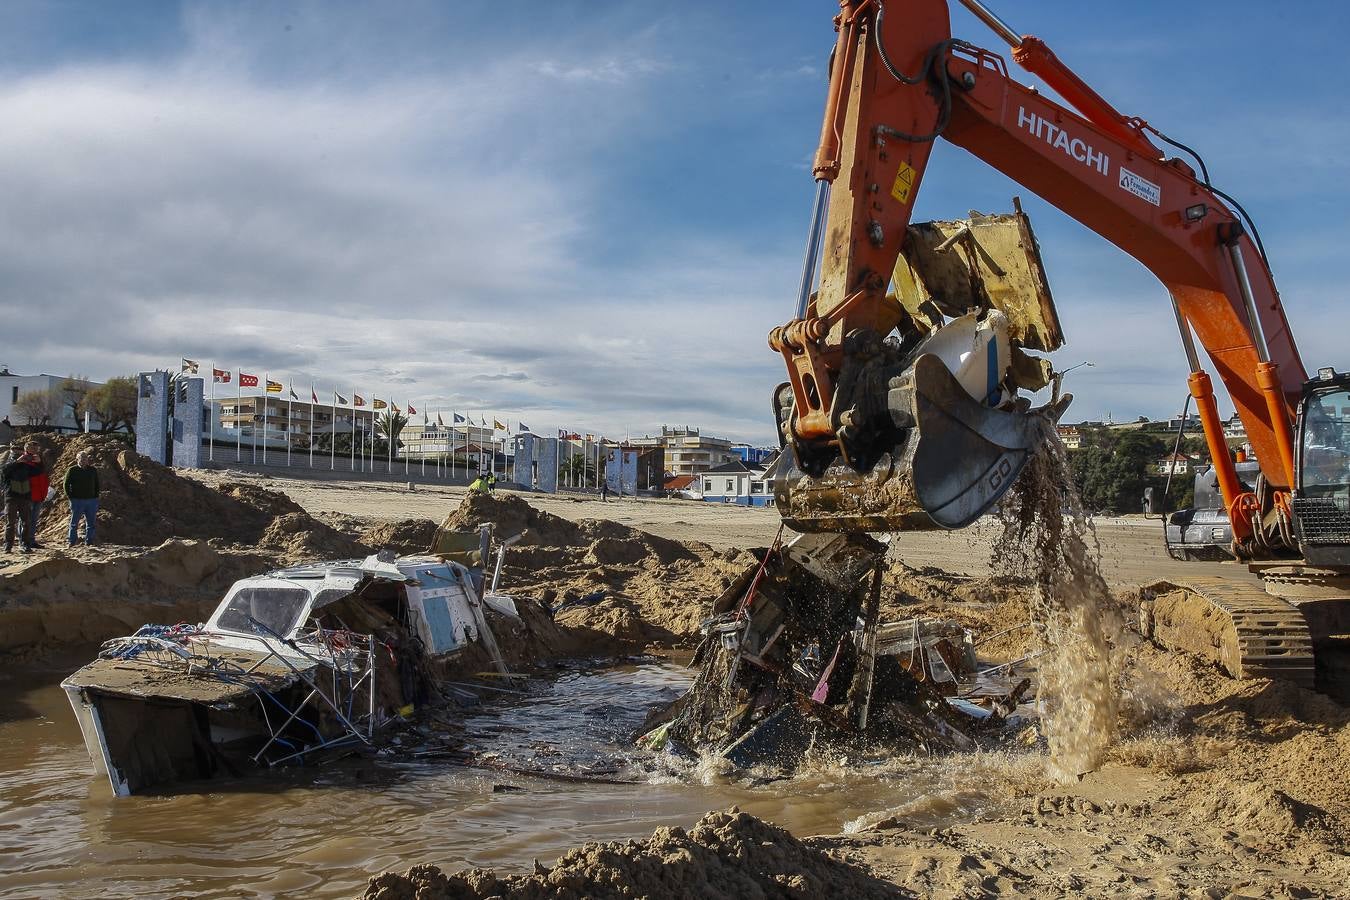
(321, 834)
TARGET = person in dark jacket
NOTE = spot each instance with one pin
(14, 481)
(81, 487)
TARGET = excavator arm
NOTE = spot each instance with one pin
(898, 83)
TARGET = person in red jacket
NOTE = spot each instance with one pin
(39, 487)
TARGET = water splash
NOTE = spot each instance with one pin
(1048, 540)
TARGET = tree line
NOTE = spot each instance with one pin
(1113, 467)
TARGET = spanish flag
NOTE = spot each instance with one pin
(274, 387)
(377, 403)
(498, 425)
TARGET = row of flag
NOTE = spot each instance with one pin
(247, 380)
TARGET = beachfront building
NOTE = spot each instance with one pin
(690, 452)
(471, 447)
(53, 413)
(735, 482)
(277, 423)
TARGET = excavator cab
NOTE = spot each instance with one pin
(937, 427)
(1321, 502)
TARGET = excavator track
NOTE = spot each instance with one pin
(1240, 627)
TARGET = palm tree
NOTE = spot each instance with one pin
(390, 426)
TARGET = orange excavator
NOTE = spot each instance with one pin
(881, 434)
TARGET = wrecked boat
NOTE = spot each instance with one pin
(293, 664)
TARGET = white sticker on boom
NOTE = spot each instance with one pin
(1140, 187)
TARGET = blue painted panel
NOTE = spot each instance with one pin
(442, 626)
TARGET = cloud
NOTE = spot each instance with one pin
(371, 236)
(502, 376)
(607, 71)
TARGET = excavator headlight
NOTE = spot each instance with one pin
(1197, 212)
(1326, 373)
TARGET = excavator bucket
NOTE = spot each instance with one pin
(951, 467)
(977, 288)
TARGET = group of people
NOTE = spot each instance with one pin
(485, 483)
(26, 484)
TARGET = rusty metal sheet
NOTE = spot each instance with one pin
(951, 267)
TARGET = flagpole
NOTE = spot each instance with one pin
(453, 414)
(267, 379)
(257, 418)
(211, 450)
(332, 436)
(238, 419)
(313, 402)
(353, 444)
(290, 420)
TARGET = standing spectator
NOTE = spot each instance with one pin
(39, 486)
(604, 491)
(81, 486)
(14, 481)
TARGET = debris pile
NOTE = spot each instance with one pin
(726, 854)
(796, 657)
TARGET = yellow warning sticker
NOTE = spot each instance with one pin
(904, 183)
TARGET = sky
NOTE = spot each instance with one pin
(581, 215)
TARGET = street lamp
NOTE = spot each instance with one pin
(1059, 379)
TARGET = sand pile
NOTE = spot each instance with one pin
(406, 537)
(92, 594)
(144, 504)
(725, 855)
(654, 590)
(986, 606)
(1261, 811)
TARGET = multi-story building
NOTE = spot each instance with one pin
(689, 452)
(752, 455)
(57, 414)
(1071, 437)
(274, 422)
(473, 444)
